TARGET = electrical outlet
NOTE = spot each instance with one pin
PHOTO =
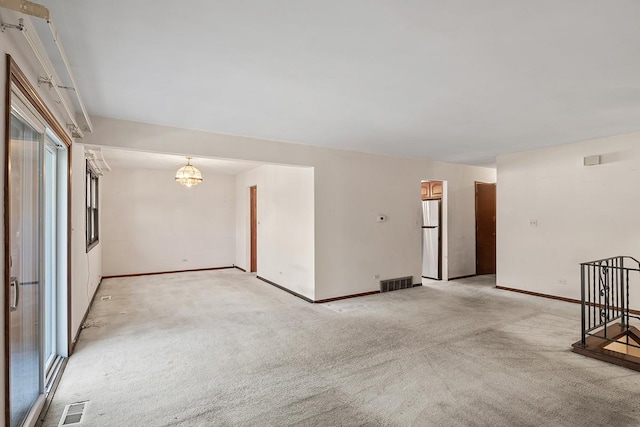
(376, 276)
(533, 223)
(562, 281)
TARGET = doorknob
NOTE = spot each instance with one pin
(16, 293)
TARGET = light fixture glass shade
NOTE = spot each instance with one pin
(189, 175)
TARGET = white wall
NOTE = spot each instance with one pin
(86, 267)
(350, 190)
(153, 224)
(285, 236)
(583, 213)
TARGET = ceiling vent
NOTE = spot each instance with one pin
(592, 160)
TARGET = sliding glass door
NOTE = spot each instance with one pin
(36, 247)
(25, 262)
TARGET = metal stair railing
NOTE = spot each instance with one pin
(605, 291)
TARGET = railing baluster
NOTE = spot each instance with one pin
(582, 285)
(594, 296)
(627, 322)
(620, 287)
(612, 294)
(588, 284)
(604, 293)
(614, 287)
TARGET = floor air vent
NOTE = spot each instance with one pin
(395, 284)
(73, 414)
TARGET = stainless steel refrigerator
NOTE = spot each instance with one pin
(431, 258)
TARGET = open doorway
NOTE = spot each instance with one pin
(434, 229)
(485, 228)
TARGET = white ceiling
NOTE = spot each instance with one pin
(129, 159)
(455, 80)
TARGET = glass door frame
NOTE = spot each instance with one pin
(49, 268)
(54, 270)
(18, 86)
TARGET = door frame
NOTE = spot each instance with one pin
(17, 80)
(253, 229)
(444, 226)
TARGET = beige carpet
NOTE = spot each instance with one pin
(224, 349)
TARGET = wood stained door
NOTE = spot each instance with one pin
(485, 228)
(253, 196)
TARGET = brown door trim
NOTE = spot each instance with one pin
(70, 341)
(485, 221)
(7, 240)
(253, 203)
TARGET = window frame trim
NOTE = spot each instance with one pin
(90, 175)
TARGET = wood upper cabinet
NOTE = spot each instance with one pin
(431, 190)
(436, 189)
(425, 191)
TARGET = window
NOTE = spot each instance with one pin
(92, 207)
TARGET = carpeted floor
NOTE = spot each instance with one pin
(221, 348)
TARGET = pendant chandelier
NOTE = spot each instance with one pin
(189, 175)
